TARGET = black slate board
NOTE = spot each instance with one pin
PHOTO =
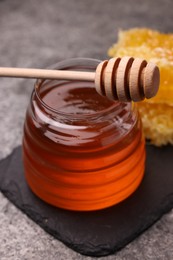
(101, 232)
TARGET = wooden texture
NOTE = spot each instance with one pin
(99, 84)
(135, 86)
(46, 74)
(110, 78)
(123, 79)
(151, 80)
(127, 79)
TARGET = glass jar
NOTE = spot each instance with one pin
(81, 151)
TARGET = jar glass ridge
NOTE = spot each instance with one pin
(82, 152)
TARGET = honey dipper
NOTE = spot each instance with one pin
(123, 79)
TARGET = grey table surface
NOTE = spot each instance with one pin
(37, 33)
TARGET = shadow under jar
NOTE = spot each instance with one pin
(81, 151)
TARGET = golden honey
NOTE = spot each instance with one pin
(81, 151)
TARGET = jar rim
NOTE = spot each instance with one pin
(71, 63)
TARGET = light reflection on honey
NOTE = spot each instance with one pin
(88, 155)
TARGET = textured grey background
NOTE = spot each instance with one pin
(37, 33)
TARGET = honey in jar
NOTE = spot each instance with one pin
(81, 151)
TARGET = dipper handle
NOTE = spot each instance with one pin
(127, 79)
(123, 79)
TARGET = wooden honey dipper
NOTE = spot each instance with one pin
(127, 79)
(123, 79)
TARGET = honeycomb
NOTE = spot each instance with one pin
(156, 113)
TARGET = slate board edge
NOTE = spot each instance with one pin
(78, 247)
